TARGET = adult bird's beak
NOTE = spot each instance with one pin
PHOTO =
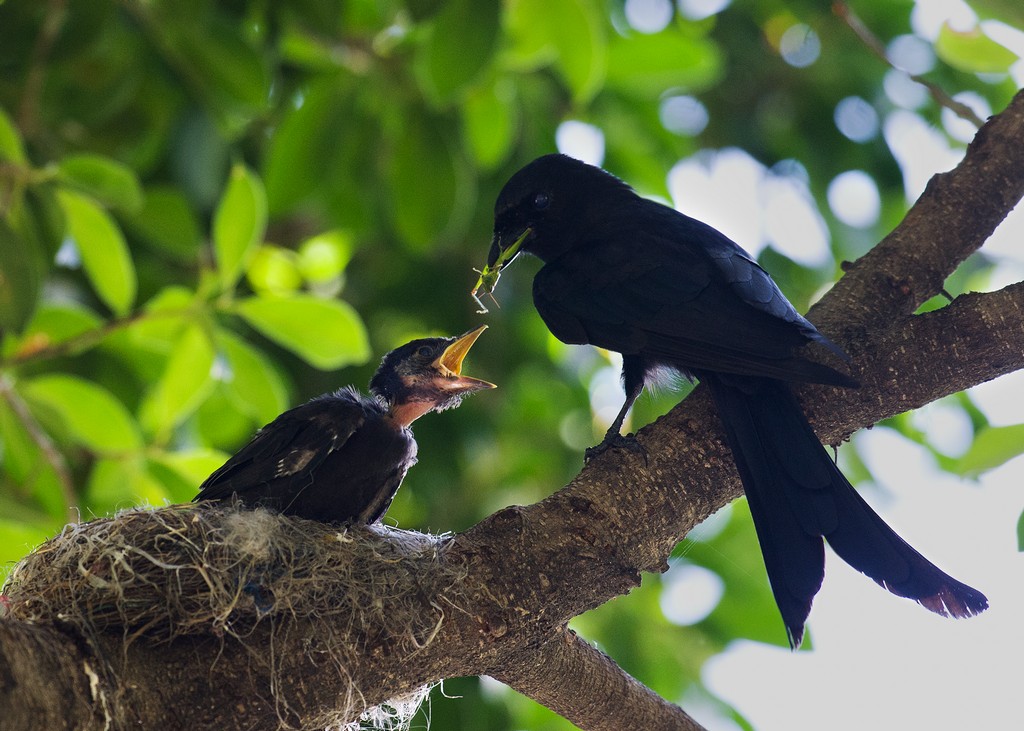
(450, 365)
(502, 252)
(498, 258)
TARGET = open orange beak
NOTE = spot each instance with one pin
(450, 365)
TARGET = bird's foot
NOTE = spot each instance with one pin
(615, 441)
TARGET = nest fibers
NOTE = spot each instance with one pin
(207, 569)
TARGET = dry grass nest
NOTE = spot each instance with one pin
(195, 569)
(221, 570)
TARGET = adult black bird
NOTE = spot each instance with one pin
(666, 291)
(342, 456)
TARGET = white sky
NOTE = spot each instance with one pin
(882, 662)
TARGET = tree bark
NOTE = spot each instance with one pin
(567, 667)
(526, 571)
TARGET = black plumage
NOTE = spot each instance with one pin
(341, 457)
(634, 276)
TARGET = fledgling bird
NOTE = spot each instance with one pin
(666, 291)
(341, 457)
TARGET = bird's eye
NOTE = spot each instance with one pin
(424, 351)
(541, 201)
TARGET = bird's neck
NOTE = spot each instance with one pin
(404, 414)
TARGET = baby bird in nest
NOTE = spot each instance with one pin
(342, 456)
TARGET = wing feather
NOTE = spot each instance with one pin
(288, 450)
(698, 307)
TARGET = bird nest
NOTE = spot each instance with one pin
(205, 569)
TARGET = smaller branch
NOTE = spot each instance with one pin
(49, 450)
(953, 217)
(876, 46)
(87, 339)
(977, 337)
(584, 685)
(922, 358)
(28, 111)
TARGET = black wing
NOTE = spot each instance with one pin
(280, 460)
(694, 300)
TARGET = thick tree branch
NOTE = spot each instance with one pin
(525, 571)
(47, 680)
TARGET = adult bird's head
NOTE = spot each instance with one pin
(544, 208)
(547, 208)
(426, 375)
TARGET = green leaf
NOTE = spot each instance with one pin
(489, 121)
(238, 224)
(19, 280)
(1020, 532)
(106, 180)
(193, 465)
(228, 70)
(17, 539)
(103, 249)
(51, 324)
(647, 65)
(992, 447)
(421, 10)
(571, 32)
(11, 146)
(327, 334)
(31, 230)
(49, 222)
(301, 47)
(184, 384)
(91, 414)
(323, 257)
(167, 222)
(423, 182)
(274, 270)
(27, 467)
(1010, 12)
(583, 57)
(116, 484)
(457, 48)
(166, 315)
(748, 608)
(973, 51)
(181, 473)
(304, 148)
(219, 423)
(254, 386)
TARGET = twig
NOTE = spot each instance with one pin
(49, 450)
(876, 47)
(87, 339)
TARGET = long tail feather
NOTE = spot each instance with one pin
(798, 497)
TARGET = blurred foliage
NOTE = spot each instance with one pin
(207, 209)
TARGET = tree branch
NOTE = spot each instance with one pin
(955, 215)
(584, 685)
(525, 571)
(45, 680)
(875, 45)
